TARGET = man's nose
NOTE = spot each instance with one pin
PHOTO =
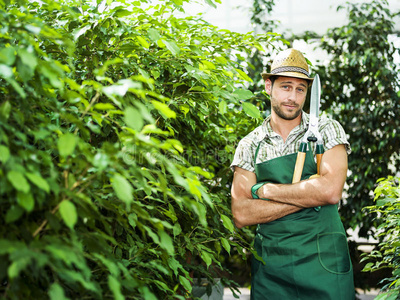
(292, 95)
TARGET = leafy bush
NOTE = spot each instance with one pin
(361, 91)
(117, 125)
(387, 254)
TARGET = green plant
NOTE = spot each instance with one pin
(387, 254)
(117, 125)
(361, 90)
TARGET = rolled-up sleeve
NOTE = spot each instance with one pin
(333, 134)
(244, 155)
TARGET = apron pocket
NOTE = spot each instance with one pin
(333, 252)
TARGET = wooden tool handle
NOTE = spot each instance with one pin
(319, 152)
(298, 168)
(319, 157)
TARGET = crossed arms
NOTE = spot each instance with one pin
(286, 199)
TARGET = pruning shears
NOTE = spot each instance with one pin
(312, 134)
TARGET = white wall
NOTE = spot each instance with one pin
(295, 15)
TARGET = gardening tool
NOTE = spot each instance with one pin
(312, 134)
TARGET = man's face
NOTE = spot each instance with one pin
(288, 95)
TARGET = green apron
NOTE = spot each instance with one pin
(305, 253)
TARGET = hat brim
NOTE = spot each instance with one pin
(266, 75)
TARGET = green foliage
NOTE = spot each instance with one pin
(261, 15)
(117, 127)
(387, 254)
(361, 90)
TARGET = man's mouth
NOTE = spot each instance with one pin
(290, 105)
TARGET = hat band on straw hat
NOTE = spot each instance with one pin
(290, 69)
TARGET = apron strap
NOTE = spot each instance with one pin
(256, 153)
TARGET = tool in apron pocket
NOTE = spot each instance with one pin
(312, 133)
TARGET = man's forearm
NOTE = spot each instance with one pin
(308, 193)
(255, 211)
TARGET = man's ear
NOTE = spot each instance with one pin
(268, 86)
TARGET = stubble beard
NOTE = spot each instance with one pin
(287, 116)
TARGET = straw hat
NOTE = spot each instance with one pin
(289, 63)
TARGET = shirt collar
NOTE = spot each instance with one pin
(268, 132)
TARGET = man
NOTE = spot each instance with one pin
(299, 235)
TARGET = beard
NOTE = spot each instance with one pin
(287, 115)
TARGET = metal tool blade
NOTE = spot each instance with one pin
(315, 97)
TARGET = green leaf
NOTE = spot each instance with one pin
(208, 65)
(4, 154)
(16, 86)
(5, 110)
(226, 245)
(211, 3)
(384, 201)
(28, 58)
(18, 181)
(68, 213)
(222, 107)
(166, 242)
(164, 109)
(154, 34)
(121, 88)
(6, 72)
(7, 56)
(243, 75)
(177, 229)
(115, 287)
(172, 46)
(104, 106)
(251, 110)
(206, 257)
(122, 13)
(143, 42)
(227, 223)
(243, 94)
(256, 256)
(185, 283)
(56, 292)
(147, 294)
(382, 296)
(26, 201)
(39, 181)
(66, 144)
(80, 31)
(18, 265)
(122, 188)
(34, 29)
(111, 266)
(368, 267)
(51, 72)
(14, 213)
(133, 118)
(392, 295)
(8, 247)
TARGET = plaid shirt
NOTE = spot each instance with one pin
(272, 144)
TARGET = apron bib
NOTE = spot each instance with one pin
(305, 253)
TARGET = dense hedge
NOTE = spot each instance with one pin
(387, 253)
(117, 125)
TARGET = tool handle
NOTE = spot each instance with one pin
(319, 152)
(298, 168)
(319, 157)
